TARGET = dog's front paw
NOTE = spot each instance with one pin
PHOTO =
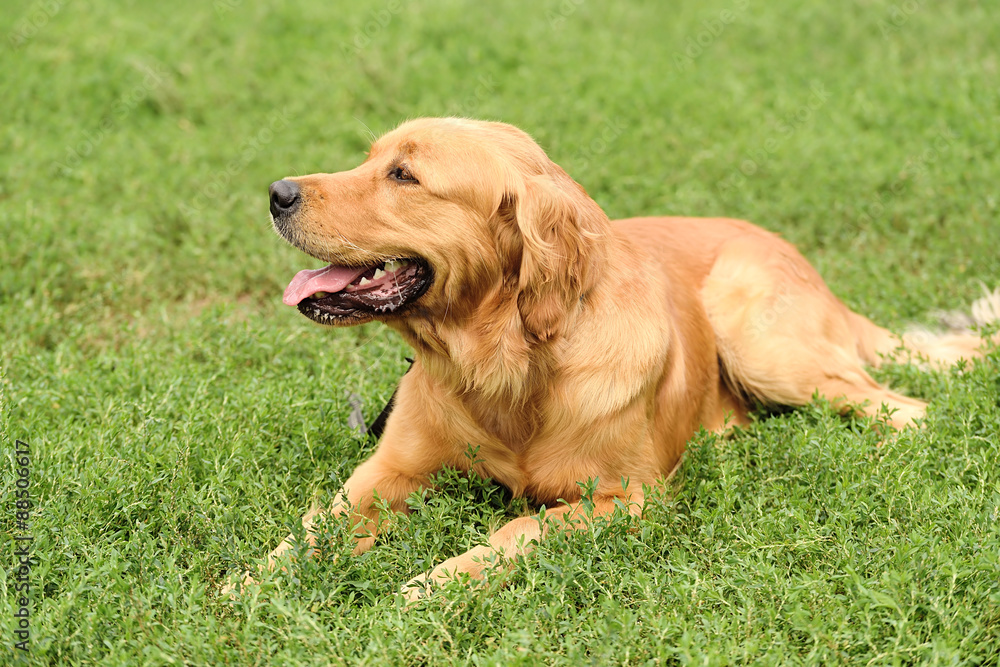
(427, 584)
(469, 569)
(235, 589)
(416, 589)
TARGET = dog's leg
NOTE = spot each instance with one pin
(378, 476)
(517, 537)
(783, 336)
(852, 386)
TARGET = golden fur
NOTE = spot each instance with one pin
(568, 347)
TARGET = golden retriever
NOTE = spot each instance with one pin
(565, 346)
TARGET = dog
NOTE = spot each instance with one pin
(568, 348)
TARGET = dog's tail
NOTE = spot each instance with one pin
(936, 349)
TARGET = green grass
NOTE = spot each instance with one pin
(181, 418)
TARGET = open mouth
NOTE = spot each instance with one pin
(352, 294)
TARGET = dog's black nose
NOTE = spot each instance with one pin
(284, 197)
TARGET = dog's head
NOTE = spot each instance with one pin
(442, 213)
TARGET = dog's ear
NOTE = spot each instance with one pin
(561, 230)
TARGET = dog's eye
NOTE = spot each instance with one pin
(403, 175)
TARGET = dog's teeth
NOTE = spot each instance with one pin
(392, 265)
(364, 281)
(319, 295)
(378, 274)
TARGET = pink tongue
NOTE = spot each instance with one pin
(328, 279)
